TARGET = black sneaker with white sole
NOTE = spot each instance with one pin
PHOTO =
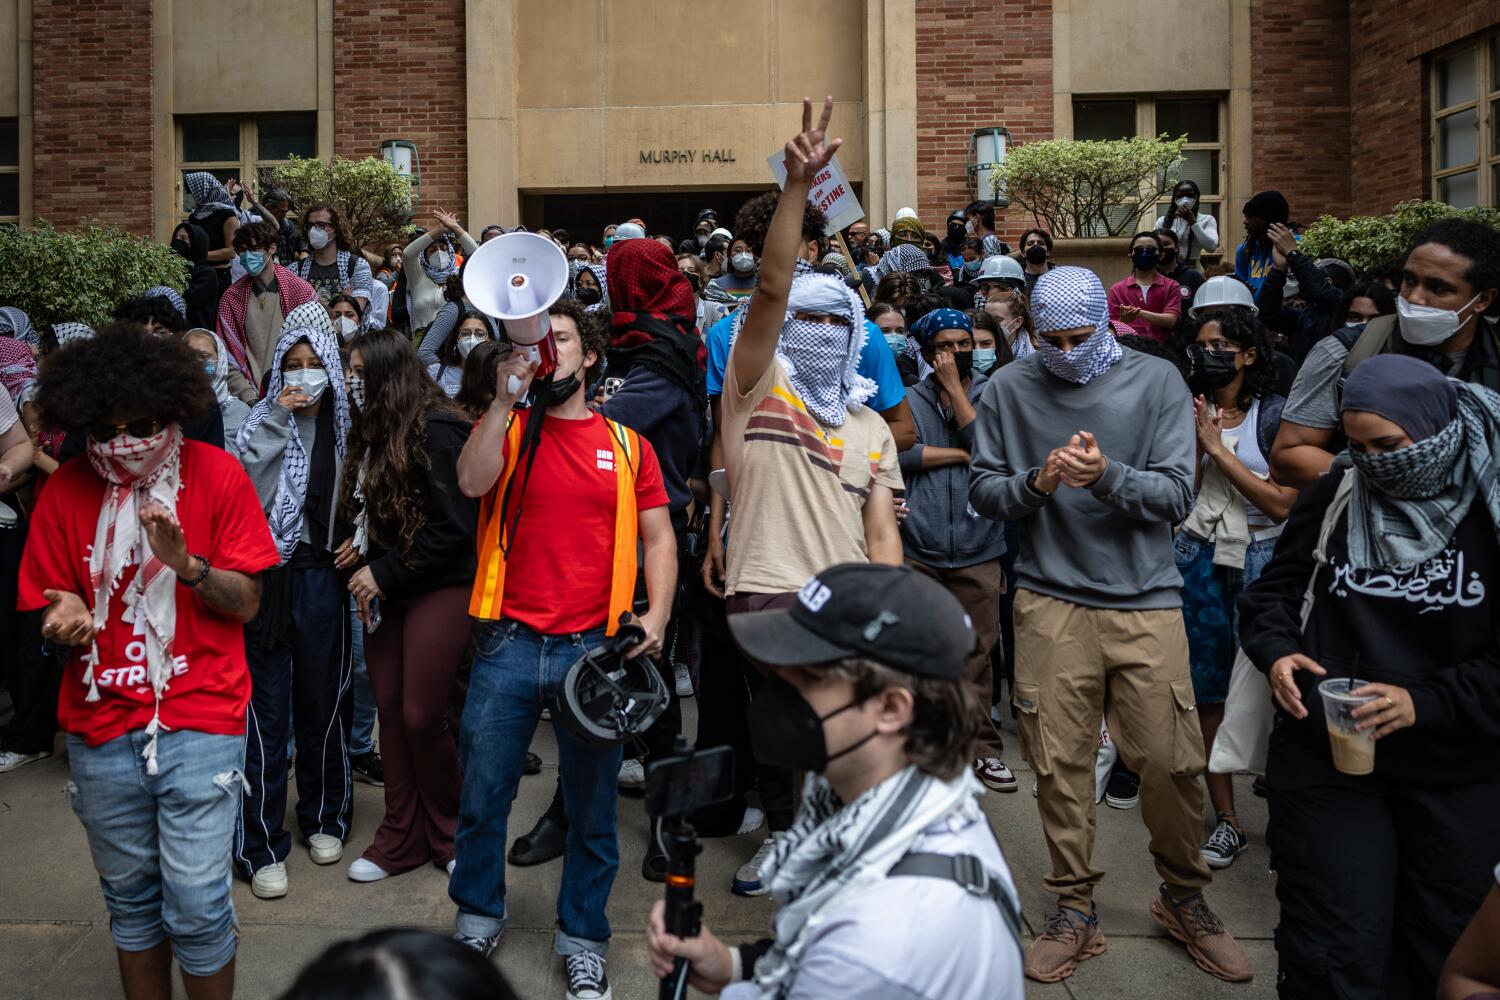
(1124, 788)
(484, 945)
(586, 978)
(368, 768)
(1224, 845)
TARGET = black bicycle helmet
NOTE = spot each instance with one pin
(604, 698)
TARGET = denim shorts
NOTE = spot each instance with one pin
(160, 843)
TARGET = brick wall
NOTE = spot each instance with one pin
(92, 125)
(1389, 131)
(398, 71)
(1300, 104)
(969, 76)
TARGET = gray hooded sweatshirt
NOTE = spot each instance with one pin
(1110, 545)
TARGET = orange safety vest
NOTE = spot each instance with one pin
(489, 582)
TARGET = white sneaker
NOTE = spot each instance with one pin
(269, 882)
(752, 821)
(684, 680)
(632, 774)
(325, 850)
(9, 760)
(748, 880)
(365, 870)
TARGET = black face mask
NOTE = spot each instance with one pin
(787, 732)
(560, 390)
(964, 362)
(589, 296)
(1144, 260)
(183, 249)
(1036, 254)
(1210, 369)
(1166, 259)
(956, 231)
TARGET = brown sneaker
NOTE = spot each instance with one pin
(1194, 924)
(1070, 938)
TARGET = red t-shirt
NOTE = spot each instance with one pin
(558, 571)
(1162, 296)
(222, 520)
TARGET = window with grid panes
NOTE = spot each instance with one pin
(1199, 118)
(1466, 124)
(10, 171)
(229, 146)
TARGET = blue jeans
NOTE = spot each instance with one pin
(516, 674)
(161, 843)
(362, 729)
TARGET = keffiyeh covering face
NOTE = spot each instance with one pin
(1406, 504)
(287, 510)
(903, 258)
(66, 333)
(834, 847)
(821, 359)
(139, 472)
(655, 317)
(1066, 298)
(435, 274)
(15, 323)
(171, 295)
(209, 194)
(17, 369)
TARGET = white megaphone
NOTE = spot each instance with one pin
(515, 278)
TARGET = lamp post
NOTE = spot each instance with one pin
(986, 154)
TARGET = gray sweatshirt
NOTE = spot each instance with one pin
(1108, 546)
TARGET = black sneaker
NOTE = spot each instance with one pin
(1224, 845)
(367, 768)
(485, 946)
(531, 763)
(586, 978)
(1124, 789)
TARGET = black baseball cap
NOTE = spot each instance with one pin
(709, 214)
(890, 614)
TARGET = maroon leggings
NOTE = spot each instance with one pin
(413, 658)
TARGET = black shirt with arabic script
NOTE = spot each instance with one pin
(1430, 628)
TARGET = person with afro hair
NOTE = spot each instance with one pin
(169, 532)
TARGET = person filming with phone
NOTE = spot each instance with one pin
(867, 695)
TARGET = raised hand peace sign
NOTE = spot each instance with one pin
(808, 153)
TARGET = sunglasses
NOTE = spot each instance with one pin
(137, 428)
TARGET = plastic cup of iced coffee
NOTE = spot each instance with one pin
(1353, 752)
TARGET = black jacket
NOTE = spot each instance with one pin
(1433, 630)
(1303, 326)
(442, 552)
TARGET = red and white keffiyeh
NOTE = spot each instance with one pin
(137, 471)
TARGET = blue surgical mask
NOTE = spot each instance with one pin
(608, 242)
(984, 359)
(896, 342)
(252, 261)
(210, 368)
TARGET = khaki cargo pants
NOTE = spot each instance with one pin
(1075, 664)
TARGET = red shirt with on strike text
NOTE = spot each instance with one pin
(558, 570)
(221, 520)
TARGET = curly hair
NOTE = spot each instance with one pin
(1246, 333)
(1474, 240)
(122, 373)
(897, 288)
(156, 309)
(593, 334)
(945, 714)
(340, 230)
(387, 455)
(753, 220)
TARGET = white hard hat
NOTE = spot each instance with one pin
(629, 231)
(721, 231)
(906, 213)
(1223, 290)
(1001, 268)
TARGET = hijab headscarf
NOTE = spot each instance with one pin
(654, 322)
(439, 275)
(822, 360)
(1066, 298)
(17, 369)
(601, 275)
(909, 226)
(220, 380)
(288, 509)
(1405, 505)
(209, 194)
(15, 323)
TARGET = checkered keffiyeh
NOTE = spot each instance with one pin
(210, 195)
(822, 360)
(654, 322)
(1067, 298)
(171, 295)
(15, 323)
(17, 368)
(66, 333)
(903, 258)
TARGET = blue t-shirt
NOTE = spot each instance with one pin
(876, 362)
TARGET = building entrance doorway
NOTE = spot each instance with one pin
(667, 213)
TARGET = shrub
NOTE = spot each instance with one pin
(1075, 187)
(61, 275)
(1367, 241)
(373, 198)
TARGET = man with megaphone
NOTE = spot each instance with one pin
(565, 495)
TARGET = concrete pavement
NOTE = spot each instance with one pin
(55, 943)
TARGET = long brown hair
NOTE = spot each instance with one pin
(388, 439)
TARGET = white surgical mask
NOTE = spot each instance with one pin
(1428, 326)
(310, 380)
(969, 227)
(442, 260)
(347, 326)
(742, 262)
(1184, 202)
(468, 341)
(702, 240)
(317, 238)
(357, 391)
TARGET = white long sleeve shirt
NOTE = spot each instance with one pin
(1205, 235)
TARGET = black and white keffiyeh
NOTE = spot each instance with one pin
(834, 847)
(66, 333)
(171, 295)
(210, 196)
(903, 258)
(1067, 298)
(822, 359)
(287, 510)
(15, 323)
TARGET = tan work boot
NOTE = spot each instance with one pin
(1194, 924)
(1070, 938)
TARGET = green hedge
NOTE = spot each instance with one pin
(1367, 241)
(81, 275)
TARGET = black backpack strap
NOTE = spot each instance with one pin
(1268, 422)
(970, 873)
